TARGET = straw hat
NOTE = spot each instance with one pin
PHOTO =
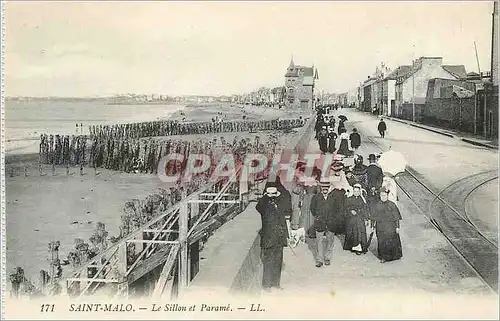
(272, 192)
(337, 166)
(338, 157)
(324, 182)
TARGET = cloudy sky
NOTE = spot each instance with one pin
(89, 48)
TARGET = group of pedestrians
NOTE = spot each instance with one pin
(351, 204)
(327, 136)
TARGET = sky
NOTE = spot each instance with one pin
(83, 49)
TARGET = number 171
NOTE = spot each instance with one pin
(47, 308)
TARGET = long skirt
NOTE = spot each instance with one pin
(323, 144)
(307, 219)
(389, 244)
(331, 145)
(355, 234)
(344, 148)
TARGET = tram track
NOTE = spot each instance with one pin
(447, 212)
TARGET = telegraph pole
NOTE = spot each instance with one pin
(413, 83)
(475, 103)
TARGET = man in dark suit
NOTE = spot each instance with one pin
(375, 177)
(273, 237)
(321, 211)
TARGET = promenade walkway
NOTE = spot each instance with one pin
(430, 267)
(431, 280)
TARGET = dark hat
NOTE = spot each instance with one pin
(372, 157)
(324, 182)
(358, 159)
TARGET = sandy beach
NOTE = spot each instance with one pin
(41, 209)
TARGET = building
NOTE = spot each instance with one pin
(342, 100)
(450, 103)
(360, 96)
(299, 84)
(411, 88)
(352, 98)
(389, 89)
(368, 98)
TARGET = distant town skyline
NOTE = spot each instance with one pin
(80, 49)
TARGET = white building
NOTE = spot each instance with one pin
(411, 88)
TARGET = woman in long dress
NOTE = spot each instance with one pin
(302, 217)
(386, 217)
(389, 183)
(332, 138)
(344, 144)
(356, 221)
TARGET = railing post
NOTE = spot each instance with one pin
(122, 270)
(183, 252)
(195, 209)
(243, 187)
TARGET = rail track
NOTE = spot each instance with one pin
(447, 212)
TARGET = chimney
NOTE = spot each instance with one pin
(494, 45)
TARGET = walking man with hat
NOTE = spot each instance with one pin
(320, 209)
(273, 237)
(375, 177)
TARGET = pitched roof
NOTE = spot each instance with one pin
(308, 71)
(456, 70)
(399, 72)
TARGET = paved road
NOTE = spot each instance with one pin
(439, 159)
(480, 206)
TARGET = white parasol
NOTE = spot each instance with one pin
(392, 162)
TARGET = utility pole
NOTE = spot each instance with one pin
(475, 94)
(484, 91)
(413, 83)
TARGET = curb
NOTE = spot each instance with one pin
(421, 127)
(433, 130)
(476, 143)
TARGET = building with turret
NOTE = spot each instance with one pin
(299, 86)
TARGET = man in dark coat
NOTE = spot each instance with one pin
(382, 127)
(355, 139)
(285, 198)
(375, 177)
(336, 218)
(273, 237)
(319, 124)
(323, 140)
(320, 210)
